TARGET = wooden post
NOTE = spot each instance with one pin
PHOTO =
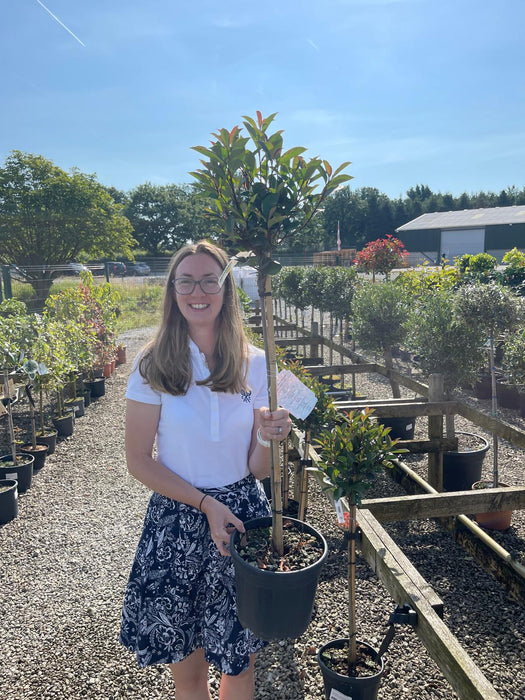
(435, 430)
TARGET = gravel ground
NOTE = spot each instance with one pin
(65, 561)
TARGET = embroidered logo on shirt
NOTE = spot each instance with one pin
(246, 396)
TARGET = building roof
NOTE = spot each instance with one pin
(467, 218)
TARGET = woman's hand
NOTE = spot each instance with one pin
(222, 523)
(274, 425)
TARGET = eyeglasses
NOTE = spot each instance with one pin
(209, 285)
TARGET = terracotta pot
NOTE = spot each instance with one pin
(107, 370)
(121, 355)
(496, 519)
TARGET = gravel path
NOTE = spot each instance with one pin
(65, 561)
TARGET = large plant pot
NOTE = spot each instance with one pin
(8, 500)
(77, 405)
(356, 688)
(508, 395)
(462, 469)
(97, 387)
(521, 393)
(275, 605)
(64, 425)
(400, 428)
(39, 453)
(49, 438)
(22, 471)
(494, 520)
(121, 354)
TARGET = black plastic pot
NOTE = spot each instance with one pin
(508, 395)
(77, 405)
(39, 454)
(8, 500)
(401, 428)
(358, 688)
(462, 469)
(275, 605)
(65, 425)
(97, 387)
(49, 439)
(22, 472)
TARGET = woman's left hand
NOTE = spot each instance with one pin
(274, 425)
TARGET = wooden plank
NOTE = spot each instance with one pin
(434, 445)
(494, 425)
(386, 560)
(406, 409)
(283, 342)
(419, 507)
(400, 577)
(362, 368)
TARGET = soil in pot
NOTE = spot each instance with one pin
(275, 595)
(462, 468)
(22, 471)
(360, 682)
(496, 519)
(8, 500)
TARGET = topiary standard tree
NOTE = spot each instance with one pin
(263, 195)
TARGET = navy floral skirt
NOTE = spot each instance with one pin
(181, 591)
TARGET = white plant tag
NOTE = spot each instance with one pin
(14, 475)
(226, 270)
(338, 695)
(339, 511)
(293, 395)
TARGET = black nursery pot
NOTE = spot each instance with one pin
(22, 472)
(358, 688)
(275, 605)
(400, 428)
(8, 500)
(462, 469)
(97, 387)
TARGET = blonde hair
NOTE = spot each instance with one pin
(166, 361)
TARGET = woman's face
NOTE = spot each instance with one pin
(199, 308)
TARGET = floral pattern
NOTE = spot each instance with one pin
(181, 591)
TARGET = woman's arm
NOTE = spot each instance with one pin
(272, 426)
(142, 422)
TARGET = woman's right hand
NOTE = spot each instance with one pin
(222, 523)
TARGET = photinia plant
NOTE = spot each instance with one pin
(381, 255)
(262, 195)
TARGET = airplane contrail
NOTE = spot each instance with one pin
(61, 23)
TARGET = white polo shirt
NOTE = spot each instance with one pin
(204, 436)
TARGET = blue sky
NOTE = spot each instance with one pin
(411, 91)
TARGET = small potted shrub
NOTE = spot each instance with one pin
(352, 454)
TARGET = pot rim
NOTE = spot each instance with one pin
(341, 642)
(319, 562)
(481, 450)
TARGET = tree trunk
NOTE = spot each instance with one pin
(265, 292)
(352, 627)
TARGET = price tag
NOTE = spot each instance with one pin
(293, 395)
(338, 695)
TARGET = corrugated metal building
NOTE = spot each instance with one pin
(454, 233)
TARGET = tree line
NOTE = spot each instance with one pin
(48, 215)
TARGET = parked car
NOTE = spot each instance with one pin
(68, 269)
(118, 269)
(138, 269)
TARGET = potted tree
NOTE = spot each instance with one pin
(446, 344)
(352, 454)
(263, 195)
(492, 310)
(514, 364)
(381, 314)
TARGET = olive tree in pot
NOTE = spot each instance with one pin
(493, 311)
(446, 344)
(263, 195)
(352, 454)
(514, 364)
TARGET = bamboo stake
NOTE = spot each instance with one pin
(352, 626)
(271, 366)
(9, 415)
(494, 405)
(303, 498)
(286, 476)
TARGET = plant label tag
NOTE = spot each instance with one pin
(14, 475)
(338, 695)
(226, 270)
(293, 395)
(339, 511)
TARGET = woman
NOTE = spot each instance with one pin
(199, 391)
